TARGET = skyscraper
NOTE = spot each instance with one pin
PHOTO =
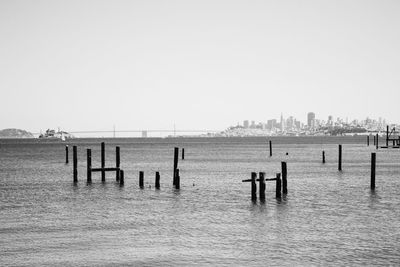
(310, 119)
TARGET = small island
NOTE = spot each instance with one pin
(15, 133)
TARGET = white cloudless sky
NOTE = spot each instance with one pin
(89, 65)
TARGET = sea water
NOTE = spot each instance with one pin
(327, 218)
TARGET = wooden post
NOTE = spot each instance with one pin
(284, 177)
(323, 156)
(141, 179)
(178, 180)
(270, 148)
(253, 186)
(89, 165)
(387, 135)
(278, 186)
(377, 141)
(117, 163)
(367, 140)
(157, 180)
(374, 141)
(176, 154)
(340, 158)
(121, 177)
(373, 165)
(261, 185)
(75, 163)
(183, 153)
(66, 154)
(103, 162)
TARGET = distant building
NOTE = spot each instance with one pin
(271, 124)
(253, 124)
(310, 119)
(144, 134)
(246, 124)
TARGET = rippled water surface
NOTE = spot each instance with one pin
(327, 218)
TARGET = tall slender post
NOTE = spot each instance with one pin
(103, 162)
(178, 180)
(141, 179)
(284, 177)
(261, 183)
(374, 141)
(176, 154)
(367, 140)
(387, 135)
(183, 153)
(75, 163)
(121, 177)
(253, 186)
(323, 156)
(66, 154)
(157, 180)
(89, 165)
(340, 158)
(270, 148)
(117, 163)
(377, 141)
(373, 165)
(278, 186)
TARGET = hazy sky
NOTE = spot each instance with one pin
(87, 65)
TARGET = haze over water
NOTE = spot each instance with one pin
(327, 218)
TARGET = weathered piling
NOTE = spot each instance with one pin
(377, 141)
(284, 177)
(157, 180)
(253, 186)
(176, 154)
(177, 179)
(117, 163)
(323, 156)
(387, 135)
(261, 183)
(270, 148)
(373, 165)
(66, 155)
(340, 158)
(89, 165)
(75, 163)
(121, 177)
(278, 186)
(367, 140)
(141, 179)
(183, 153)
(374, 140)
(103, 162)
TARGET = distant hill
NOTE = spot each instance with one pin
(15, 133)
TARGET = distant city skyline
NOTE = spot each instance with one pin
(89, 65)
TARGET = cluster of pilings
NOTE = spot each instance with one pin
(389, 139)
(119, 173)
(280, 183)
